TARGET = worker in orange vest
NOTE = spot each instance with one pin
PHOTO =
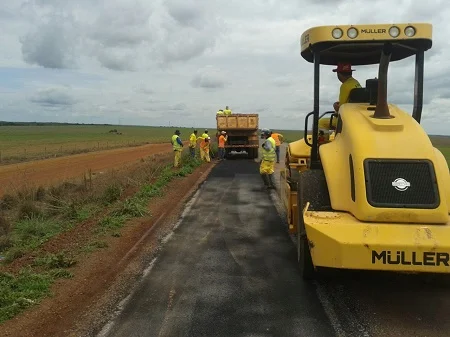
(278, 137)
(222, 139)
(204, 147)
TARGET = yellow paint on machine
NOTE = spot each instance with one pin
(398, 138)
(366, 33)
(358, 219)
(338, 240)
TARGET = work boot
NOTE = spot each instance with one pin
(271, 183)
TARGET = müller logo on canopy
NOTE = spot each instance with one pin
(373, 31)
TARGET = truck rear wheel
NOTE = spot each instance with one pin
(255, 153)
(252, 153)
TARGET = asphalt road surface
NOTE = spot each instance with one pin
(229, 269)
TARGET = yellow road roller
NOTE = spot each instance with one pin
(370, 192)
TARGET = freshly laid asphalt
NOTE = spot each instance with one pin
(229, 269)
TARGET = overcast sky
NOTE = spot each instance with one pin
(176, 62)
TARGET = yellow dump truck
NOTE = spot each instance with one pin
(242, 131)
(371, 192)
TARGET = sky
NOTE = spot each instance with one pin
(176, 62)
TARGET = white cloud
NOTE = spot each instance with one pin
(209, 77)
(177, 61)
(53, 97)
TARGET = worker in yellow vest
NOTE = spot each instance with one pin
(220, 112)
(227, 111)
(278, 137)
(267, 166)
(193, 143)
(177, 145)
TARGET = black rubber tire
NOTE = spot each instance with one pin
(249, 153)
(255, 153)
(312, 188)
(304, 259)
(252, 153)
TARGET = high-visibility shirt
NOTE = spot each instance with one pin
(220, 112)
(193, 140)
(345, 89)
(222, 140)
(269, 149)
(204, 144)
(176, 143)
(205, 138)
(278, 138)
(227, 112)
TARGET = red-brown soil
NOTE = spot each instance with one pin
(78, 306)
(46, 172)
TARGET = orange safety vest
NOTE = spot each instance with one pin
(204, 144)
(275, 137)
(222, 141)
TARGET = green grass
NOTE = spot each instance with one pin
(446, 152)
(290, 135)
(22, 143)
(28, 287)
(30, 233)
(33, 223)
(22, 291)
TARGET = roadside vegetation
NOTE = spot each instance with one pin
(36, 225)
(20, 143)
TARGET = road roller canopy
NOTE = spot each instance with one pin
(362, 44)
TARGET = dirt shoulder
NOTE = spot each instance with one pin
(45, 172)
(82, 304)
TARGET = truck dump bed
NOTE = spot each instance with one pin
(242, 131)
(237, 122)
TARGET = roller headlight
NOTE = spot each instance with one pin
(337, 33)
(394, 31)
(410, 31)
(352, 33)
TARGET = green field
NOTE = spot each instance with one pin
(28, 142)
(446, 152)
(22, 143)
